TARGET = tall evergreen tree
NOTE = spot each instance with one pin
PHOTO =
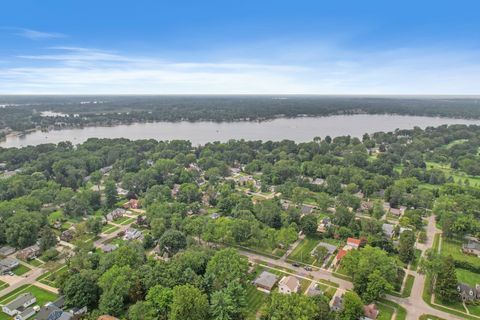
(446, 285)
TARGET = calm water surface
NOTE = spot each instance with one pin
(297, 129)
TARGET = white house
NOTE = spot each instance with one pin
(289, 285)
(21, 302)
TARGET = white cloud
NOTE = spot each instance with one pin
(91, 71)
(37, 35)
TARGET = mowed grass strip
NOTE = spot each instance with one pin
(255, 300)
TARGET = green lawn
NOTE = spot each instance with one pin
(453, 247)
(386, 312)
(302, 252)
(35, 262)
(474, 309)
(21, 269)
(407, 290)
(121, 220)
(49, 278)
(468, 277)
(3, 285)
(254, 300)
(401, 311)
(457, 175)
(112, 229)
(130, 220)
(42, 296)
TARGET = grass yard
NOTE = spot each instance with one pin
(130, 220)
(36, 263)
(121, 220)
(20, 270)
(302, 252)
(468, 277)
(3, 285)
(453, 247)
(49, 278)
(42, 296)
(474, 309)
(401, 311)
(110, 230)
(386, 312)
(254, 300)
(407, 290)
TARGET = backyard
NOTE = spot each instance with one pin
(42, 296)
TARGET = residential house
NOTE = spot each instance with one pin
(67, 235)
(366, 206)
(107, 248)
(324, 224)
(370, 312)
(121, 192)
(106, 170)
(468, 293)
(341, 253)
(472, 247)
(288, 285)
(7, 265)
(354, 243)
(306, 210)
(132, 234)
(318, 182)
(388, 230)
(115, 214)
(398, 211)
(29, 253)
(285, 205)
(132, 204)
(6, 251)
(142, 220)
(330, 248)
(19, 304)
(265, 281)
(25, 314)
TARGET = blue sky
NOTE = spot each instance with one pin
(272, 47)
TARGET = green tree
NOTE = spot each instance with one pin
(80, 290)
(48, 239)
(188, 303)
(21, 229)
(226, 266)
(308, 224)
(406, 246)
(160, 298)
(352, 307)
(172, 241)
(111, 196)
(446, 284)
(94, 225)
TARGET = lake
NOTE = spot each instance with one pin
(297, 129)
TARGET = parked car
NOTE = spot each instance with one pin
(295, 264)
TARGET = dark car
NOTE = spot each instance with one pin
(296, 264)
(307, 268)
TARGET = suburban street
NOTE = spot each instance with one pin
(414, 304)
